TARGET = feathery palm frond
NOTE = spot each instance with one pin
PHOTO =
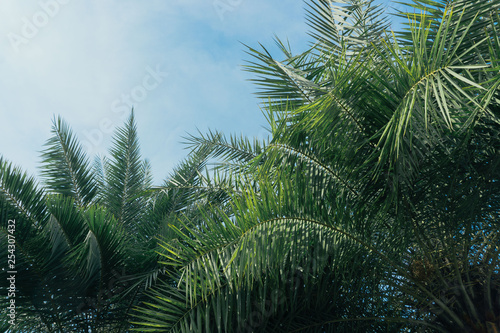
(354, 24)
(66, 167)
(126, 175)
(226, 269)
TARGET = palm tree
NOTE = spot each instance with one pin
(375, 204)
(81, 261)
(86, 240)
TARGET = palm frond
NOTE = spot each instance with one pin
(434, 92)
(289, 83)
(230, 264)
(126, 175)
(66, 167)
(20, 196)
(350, 24)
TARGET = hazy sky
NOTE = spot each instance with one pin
(178, 62)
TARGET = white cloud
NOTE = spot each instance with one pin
(91, 53)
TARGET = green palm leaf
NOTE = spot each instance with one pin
(126, 175)
(66, 167)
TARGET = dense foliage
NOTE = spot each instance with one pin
(373, 207)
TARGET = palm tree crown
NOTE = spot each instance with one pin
(372, 207)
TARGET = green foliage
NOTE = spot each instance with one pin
(374, 206)
(79, 262)
(66, 169)
(126, 176)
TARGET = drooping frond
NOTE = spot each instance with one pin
(233, 153)
(20, 196)
(437, 95)
(279, 248)
(284, 83)
(102, 247)
(480, 13)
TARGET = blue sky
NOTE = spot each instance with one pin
(177, 62)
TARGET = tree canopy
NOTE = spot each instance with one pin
(372, 207)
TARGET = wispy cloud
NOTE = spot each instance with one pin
(89, 54)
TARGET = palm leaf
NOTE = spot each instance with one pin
(66, 167)
(126, 176)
